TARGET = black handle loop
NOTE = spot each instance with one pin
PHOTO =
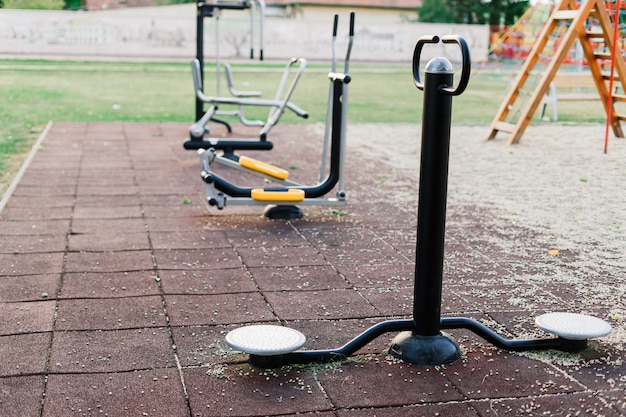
(335, 24)
(466, 62)
(423, 40)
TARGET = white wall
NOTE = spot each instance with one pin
(169, 33)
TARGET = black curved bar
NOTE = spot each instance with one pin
(230, 145)
(226, 187)
(329, 355)
(486, 333)
(417, 53)
(343, 352)
(466, 65)
(331, 180)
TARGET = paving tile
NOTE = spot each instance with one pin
(186, 208)
(107, 225)
(575, 404)
(396, 275)
(104, 241)
(112, 212)
(34, 227)
(328, 236)
(588, 298)
(364, 254)
(617, 400)
(196, 239)
(281, 256)
(21, 395)
(598, 367)
(205, 345)
(428, 410)
(25, 213)
(298, 278)
(106, 200)
(189, 310)
(111, 350)
(106, 191)
(109, 284)
(520, 324)
(109, 261)
(45, 190)
(176, 224)
(28, 202)
(266, 234)
(212, 281)
(390, 302)
(239, 390)
(323, 304)
(514, 297)
(399, 301)
(110, 313)
(197, 259)
(31, 264)
(168, 188)
(24, 354)
(499, 374)
(94, 176)
(32, 317)
(358, 385)
(333, 334)
(29, 288)
(38, 176)
(151, 392)
(177, 202)
(32, 243)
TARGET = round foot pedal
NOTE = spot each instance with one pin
(283, 212)
(573, 326)
(265, 340)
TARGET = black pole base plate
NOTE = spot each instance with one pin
(266, 362)
(283, 212)
(439, 349)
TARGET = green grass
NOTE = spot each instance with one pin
(34, 92)
(34, 4)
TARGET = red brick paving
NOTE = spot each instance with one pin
(118, 285)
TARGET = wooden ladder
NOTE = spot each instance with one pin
(576, 15)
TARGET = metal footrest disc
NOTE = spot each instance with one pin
(573, 326)
(265, 340)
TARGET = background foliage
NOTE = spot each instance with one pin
(493, 12)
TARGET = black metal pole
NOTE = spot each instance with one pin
(431, 216)
(426, 344)
(200, 55)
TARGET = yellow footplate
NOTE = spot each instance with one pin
(288, 195)
(263, 168)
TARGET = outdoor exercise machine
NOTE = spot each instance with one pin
(421, 340)
(283, 199)
(240, 99)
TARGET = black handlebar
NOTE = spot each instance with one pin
(466, 61)
(417, 53)
(351, 23)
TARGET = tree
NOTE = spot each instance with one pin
(434, 11)
(468, 11)
(492, 12)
